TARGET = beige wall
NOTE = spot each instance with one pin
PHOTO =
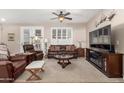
(117, 25)
(13, 45)
(79, 34)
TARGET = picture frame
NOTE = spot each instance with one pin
(11, 37)
(38, 32)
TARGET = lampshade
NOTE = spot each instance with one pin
(36, 38)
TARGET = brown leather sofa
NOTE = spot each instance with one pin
(30, 48)
(62, 49)
(12, 68)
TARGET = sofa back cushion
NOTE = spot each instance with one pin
(57, 48)
(73, 48)
(54, 48)
(62, 48)
(28, 48)
(4, 53)
(70, 48)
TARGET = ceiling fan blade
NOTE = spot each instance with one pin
(54, 18)
(55, 13)
(68, 13)
(68, 18)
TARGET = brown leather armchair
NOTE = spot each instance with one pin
(30, 48)
(12, 68)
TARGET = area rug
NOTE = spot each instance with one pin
(80, 71)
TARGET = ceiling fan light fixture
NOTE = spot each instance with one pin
(61, 19)
(61, 16)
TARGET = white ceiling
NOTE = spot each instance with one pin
(36, 16)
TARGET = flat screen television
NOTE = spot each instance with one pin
(101, 38)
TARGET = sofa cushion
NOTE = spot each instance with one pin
(70, 48)
(5, 62)
(52, 48)
(28, 48)
(53, 53)
(73, 48)
(18, 65)
(17, 58)
(56, 48)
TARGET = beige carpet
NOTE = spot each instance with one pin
(78, 72)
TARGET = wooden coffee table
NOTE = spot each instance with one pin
(34, 68)
(64, 60)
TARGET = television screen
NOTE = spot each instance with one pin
(101, 38)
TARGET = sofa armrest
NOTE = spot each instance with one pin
(39, 52)
(6, 71)
(49, 50)
(76, 50)
(17, 58)
(5, 62)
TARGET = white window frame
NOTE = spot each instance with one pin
(71, 39)
(31, 28)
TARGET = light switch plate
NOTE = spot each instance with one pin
(117, 42)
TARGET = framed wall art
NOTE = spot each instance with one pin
(11, 36)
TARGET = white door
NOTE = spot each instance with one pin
(32, 35)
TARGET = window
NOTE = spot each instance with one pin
(54, 34)
(61, 35)
(32, 35)
(69, 34)
(64, 34)
(26, 36)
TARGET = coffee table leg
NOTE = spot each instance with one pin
(69, 61)
(42, 70)
(30, 77)
(63, 64)
(33, 74)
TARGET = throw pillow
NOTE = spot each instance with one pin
(68, 48)
(3, 52)
(57, 48)
(52, 48)
(73, 48)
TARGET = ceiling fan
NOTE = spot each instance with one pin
(61, 16)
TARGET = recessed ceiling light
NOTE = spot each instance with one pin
(3, 19)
